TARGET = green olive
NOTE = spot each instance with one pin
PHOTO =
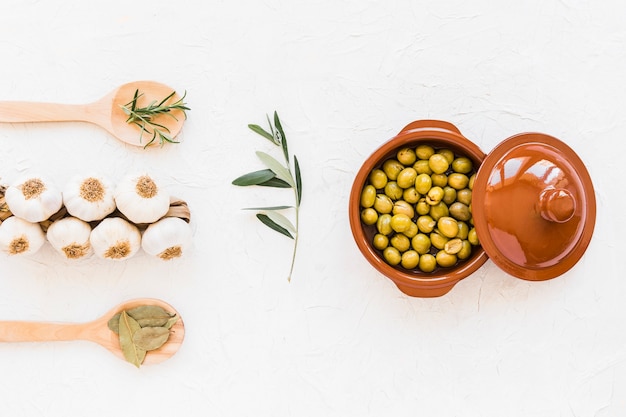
(434, 196)
(453, 246)
(423, 183)
(464, 196)
(410, 195)
(466, 250)
(400, 222)
(412, 230)
(448, 154)
(400, 242)
(427, 263)
(383, 224)
(402, 207)
(392, 255)
(439, 180)
(426, 224)
(378, 178)
(448, 226)
(393, 190)
(424, 151)
(406, 177)
(438, 240)
(438, 163)
(439, 210)
(463, 230)
(369, 216)
(458, 181)
(422, 207)
(421, 166)
(472, 237)
(406, 156)
(368, 196)
(460, 211)
(392, 168)
(421, 243)
(449, 195)
(410, 259)
(462, 165)
(472, 179)
(445, 259)
(380, 241)
(383, 204)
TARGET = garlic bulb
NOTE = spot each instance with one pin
(20, 237)
(116, 239)
(70, 237)
(167, 239)
(33, 199)
(141, 199)
(89, 198)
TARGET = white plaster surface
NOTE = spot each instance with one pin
(345, 76)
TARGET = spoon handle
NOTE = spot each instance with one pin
(23, 331)
(25, 112)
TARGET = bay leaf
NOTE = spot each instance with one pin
(171, 322)
(114, 323)
(150, 315)
(150, 338)
(128, 326)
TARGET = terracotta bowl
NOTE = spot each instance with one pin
(415, 283)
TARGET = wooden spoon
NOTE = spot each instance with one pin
(105, 112)
(95, 331)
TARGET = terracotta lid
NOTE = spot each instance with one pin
(533, 206)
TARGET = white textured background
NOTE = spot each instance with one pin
(345, 76)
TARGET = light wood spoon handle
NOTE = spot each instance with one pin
(26, 112)
(23, 331)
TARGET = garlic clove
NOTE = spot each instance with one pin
(167, 239)
(89, 198)
(34, 199)
(70, 237)
(116, 239)
(20, 237)
(141, 199)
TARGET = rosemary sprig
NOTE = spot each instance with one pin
(279, 176)
(144, 117)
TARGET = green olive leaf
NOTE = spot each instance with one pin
(280, 171)
(268, 208)
(258, 129)
(254, 178)
(128, 326)
(281, 136)
(298, 181)
(272, 225)
(281, 220)
(275, 182)
(150, 338)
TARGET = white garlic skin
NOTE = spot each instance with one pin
(19, 237)
(141, 199)
(116, 239)
(69, 236)
(34, 199)
(89, 198)
(167, 239)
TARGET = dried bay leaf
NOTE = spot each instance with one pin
(150, 338)
(114, 323)
(149, 315)
(171, 322)
(128, 326)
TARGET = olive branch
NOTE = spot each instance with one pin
(279, 176)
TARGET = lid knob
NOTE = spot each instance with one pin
(557, 205)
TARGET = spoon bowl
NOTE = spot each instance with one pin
(106, 112)
(95, 331)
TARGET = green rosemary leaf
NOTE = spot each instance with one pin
(296, 168)
(280, 171)
(272, 225)
(276, 183)
(281, 220)
(258, 129)
(268, 208)
(254, 178)
(283, 138)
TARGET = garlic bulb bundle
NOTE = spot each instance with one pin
(20, 237)
(70, 237)
(167, 239)
(141, 199)
(89, 198)
(116, 239)
(33, 199)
